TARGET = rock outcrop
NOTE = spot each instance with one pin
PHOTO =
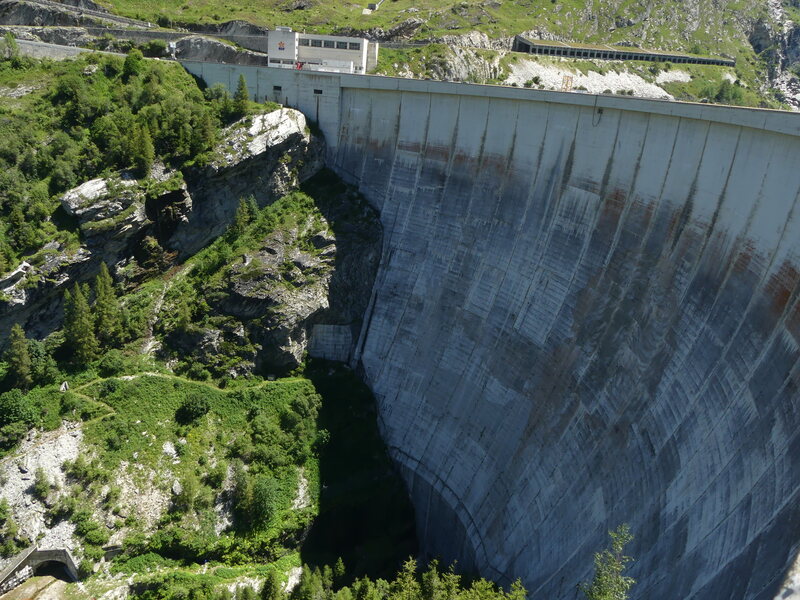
(315, 272)
(263, 157)
(19, 12)
(111, 213)
(196, 47)
(398, 33)
(235, 27)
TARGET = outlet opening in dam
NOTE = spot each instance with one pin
(54, 569)
(579, 320)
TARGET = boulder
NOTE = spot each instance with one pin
(196, 47)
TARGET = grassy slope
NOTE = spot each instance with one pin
(129, 415)
(497, 19)
(715, 29)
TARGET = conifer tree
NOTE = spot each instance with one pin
(206, 133)
(143, 151)
(79, 326)
(272, 589)
(108, 322)
(246, 593)
(244, 216)
(18, 357)
(241, 97)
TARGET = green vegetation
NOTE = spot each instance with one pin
(262, 437)
(10, 540)
(716, 29)
(440, 17)
(241, 97)
(18, 358)
(79, 331)
(189, 305)
(108, 319)
(91, 117)
(324, 583)
(609, 583)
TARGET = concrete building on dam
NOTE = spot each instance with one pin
(316, 52)
(587, 313)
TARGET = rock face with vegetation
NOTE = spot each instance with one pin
(165, 251)
(308, 259)
(183, 190)
(264, 157)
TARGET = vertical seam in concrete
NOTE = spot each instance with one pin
(529, 199)
(551, 210)
(730, 342)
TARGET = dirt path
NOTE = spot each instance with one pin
(38, 588)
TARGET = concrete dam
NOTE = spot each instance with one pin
(587, 313)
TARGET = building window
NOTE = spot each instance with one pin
(328, 44)
(355, 45)
(277, 88)
(316, 43)
(303, 42)
(341, 45)
(318, 92)
(274, 61)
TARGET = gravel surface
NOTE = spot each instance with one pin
(47, 451)
(552, 77)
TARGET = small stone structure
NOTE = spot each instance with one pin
(331, 342)
(23, 566)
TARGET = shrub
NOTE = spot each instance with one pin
(154, 48)
(16, 407)
(192, 408)
(12, 434)
(134, 64)
(112, 363)
(41, 484)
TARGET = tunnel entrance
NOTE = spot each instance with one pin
(53, 568)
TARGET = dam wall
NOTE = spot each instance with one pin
(586, 314)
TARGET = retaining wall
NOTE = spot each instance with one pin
(587, 313)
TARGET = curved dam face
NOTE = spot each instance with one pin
(586, 314)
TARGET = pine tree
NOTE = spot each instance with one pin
(339, 571)
(246, 593)
(18, 357)
(244, 216)
(78, 326)
(108, 322)
(143, 152)
(205, 134)
(241, 97)
(272, 589)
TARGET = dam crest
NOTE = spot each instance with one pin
(586, 314)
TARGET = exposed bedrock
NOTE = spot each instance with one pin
(584, 318)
